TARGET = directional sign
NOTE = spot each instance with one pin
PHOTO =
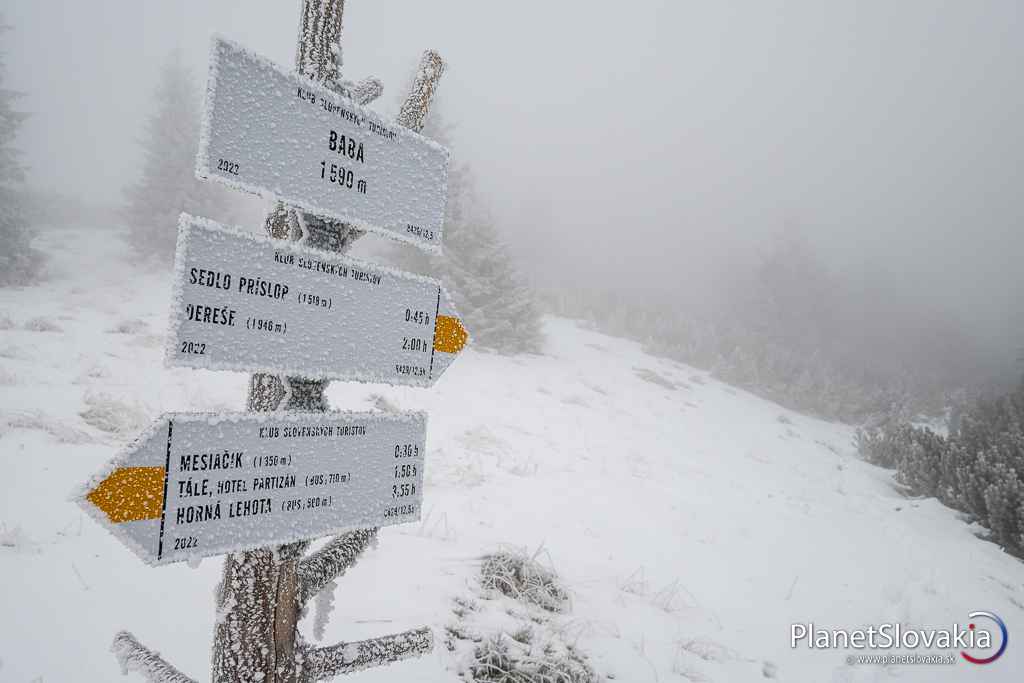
(207, 484)
(243, 302)
(278, 134)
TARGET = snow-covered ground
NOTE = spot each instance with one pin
(692, 522)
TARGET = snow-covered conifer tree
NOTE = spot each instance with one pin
(166, 184)
(16, 254)
(498, 307)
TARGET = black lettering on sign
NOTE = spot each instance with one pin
(209, 278)
(346, 145)
(227, 166)
(258, 287)
(186, 543)
(196, 348)
(216, 315)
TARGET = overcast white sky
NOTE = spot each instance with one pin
(658, 142)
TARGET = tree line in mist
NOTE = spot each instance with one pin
(792, 331)
(787, 329)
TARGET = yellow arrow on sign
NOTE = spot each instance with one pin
(130, 494)
(449, 334)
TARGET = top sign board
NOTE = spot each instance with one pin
(281, 135)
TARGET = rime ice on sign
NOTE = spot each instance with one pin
(195, 485)
(278, 134)
(243, 302)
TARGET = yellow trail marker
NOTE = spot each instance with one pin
(449, 334)
(130, 494)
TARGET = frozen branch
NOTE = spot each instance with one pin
(331, 561)
(134, 656)
(324, 663)
(414, 110)
(367, 90)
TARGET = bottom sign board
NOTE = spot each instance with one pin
(199, 484)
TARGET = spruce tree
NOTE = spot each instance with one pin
(499, 309)
(167, 184)
(18, 261)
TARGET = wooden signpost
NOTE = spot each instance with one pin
(261, 485)
(195, 485)
(243, 302)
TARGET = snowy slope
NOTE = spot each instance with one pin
(692, 524)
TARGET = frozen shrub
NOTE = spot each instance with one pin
(979, 469)
(520, 576)
(42, 324)
(498, 659)
(919, 462)
(1003, 499)
(1020, 523)
(884, 444)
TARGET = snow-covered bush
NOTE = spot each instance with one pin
(517, 574)
(978, 470)
(503, 659)
(515, 630)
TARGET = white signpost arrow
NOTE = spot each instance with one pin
(243, 302)
(275, 133)
(195, 485)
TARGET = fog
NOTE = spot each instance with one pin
(646, 146)
(721, 377)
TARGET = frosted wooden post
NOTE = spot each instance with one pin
(262, 592)
(257, 624)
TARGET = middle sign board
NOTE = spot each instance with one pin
(250, 303)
